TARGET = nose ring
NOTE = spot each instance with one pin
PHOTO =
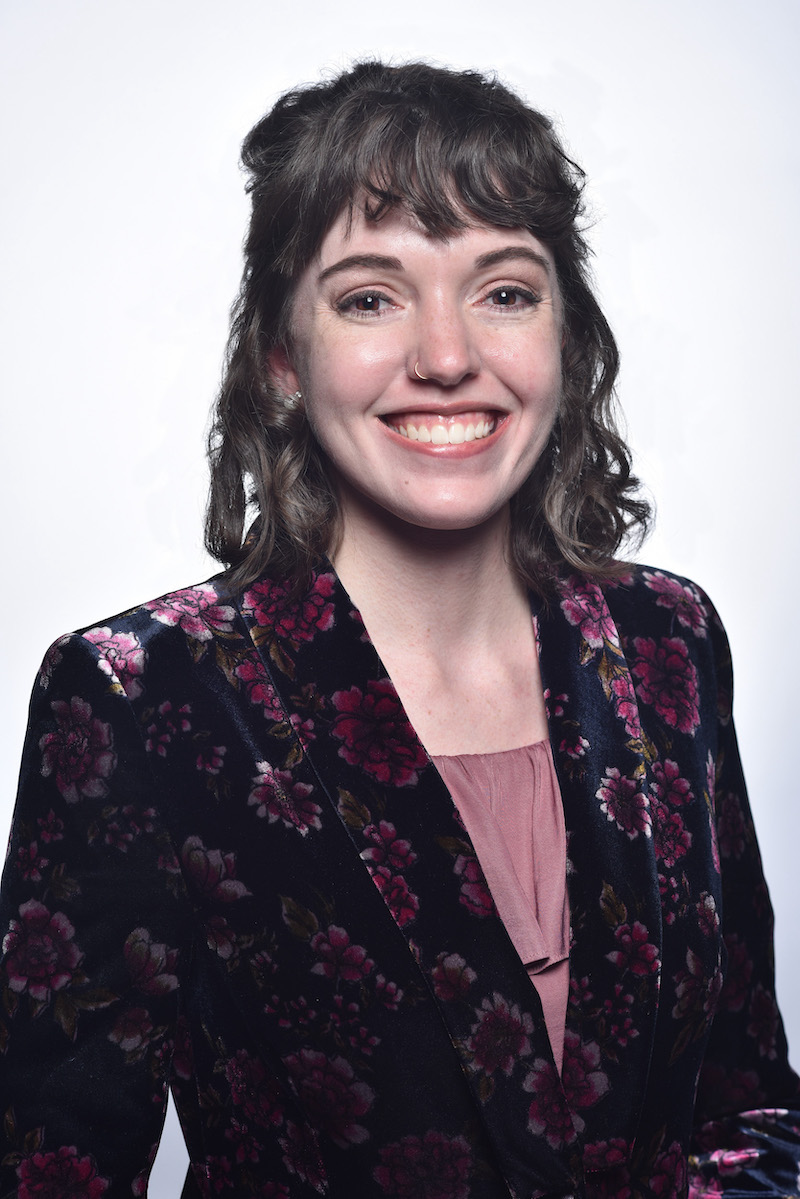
(419, 376)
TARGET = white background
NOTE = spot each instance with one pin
(121, 224)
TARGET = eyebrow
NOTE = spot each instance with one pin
(509, 254)
(383, 262)
(378, 262)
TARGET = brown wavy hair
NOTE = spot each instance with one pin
(452, 148)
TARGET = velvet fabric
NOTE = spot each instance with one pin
(234, 871)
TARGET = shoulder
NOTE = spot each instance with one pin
(648, 596)
(181, 623)
(656, 611)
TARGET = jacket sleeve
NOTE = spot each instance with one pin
(92, 919)
(747, 1116)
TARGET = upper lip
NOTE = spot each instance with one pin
(445, 410)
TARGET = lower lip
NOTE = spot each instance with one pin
(466, 449)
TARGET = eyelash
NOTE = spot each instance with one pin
(347, 305)
(521, 292)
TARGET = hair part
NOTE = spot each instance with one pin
(452, 148)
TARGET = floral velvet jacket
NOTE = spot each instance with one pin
(234, 871)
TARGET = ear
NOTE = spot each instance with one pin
(282, 371)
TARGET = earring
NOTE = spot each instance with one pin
(419, 376)
(293, 400)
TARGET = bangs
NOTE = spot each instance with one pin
(449, 165)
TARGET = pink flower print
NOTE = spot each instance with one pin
(696, 993)
(668, 786)
(604, 1155)
(429, 1167)
(278, 796)
(330, 1094)
(150, 964)
(210, 760)
(338, 957)
(731, 826)
(51, 828)
(51, 660)
(737, 975)
(132, 1030)
(707, 915)
(556, 704)
(584, 606)
(635, 952)
(668, 681)
(30, 863)
(211, 871)
(123, 658)
(619, 1018)
(60, 1175)
(80, 753)
(730, 1162)
(682, 598)
(548, 1115)
(376, 734)
(401, 901)
(220, 937)
(245, 1146)
(668, 1174)
(41, 954)
(452, 977)
(386, 848)
(168, 723)
(625, 704)
(252, 1092)
(195, 610)
(259, 689)
(763, 1022)
(301, 1156)
(670, 835)
(501, 1035)
(624, 803)
(475, 894)
(574, 745)
(584, 1082)
(388, 993)
(271, 606)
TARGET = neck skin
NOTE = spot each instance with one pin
(430, 591)
(452, 624)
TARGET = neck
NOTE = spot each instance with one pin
(429, 589)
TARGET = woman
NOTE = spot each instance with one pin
(237, 866)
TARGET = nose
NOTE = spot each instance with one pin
(445, 351)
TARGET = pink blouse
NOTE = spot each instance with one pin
(511, 806)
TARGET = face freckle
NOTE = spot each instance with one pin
(430, 368)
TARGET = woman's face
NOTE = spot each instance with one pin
(479, 314)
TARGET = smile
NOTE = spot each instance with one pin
(444, 430)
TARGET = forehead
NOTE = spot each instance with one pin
(398, 233)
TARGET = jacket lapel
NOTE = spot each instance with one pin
(603, 762)
(402, 824)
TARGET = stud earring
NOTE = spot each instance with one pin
(293, 400)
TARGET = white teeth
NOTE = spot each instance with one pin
(448, 434)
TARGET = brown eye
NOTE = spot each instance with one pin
(367, 303)
(505, 297)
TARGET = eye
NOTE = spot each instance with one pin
(511, 297)
(364, 303)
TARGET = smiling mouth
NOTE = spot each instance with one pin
(444, 430)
